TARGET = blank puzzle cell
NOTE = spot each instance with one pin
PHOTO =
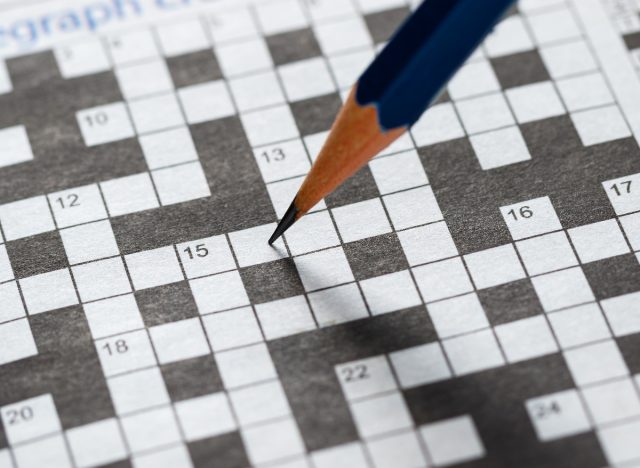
(14, 146)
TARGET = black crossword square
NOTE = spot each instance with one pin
(194, 68)
(632, 41)
(225, 450)
(37, 254)
(293, 46)
(360, 187)
(375, 256)
(383, 24)
(316, 114)
(520, 69)
(509, 302)
(191, 378)
(168, 303)
(271, 281)
(613, 276)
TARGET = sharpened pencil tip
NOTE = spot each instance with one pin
(285, 223)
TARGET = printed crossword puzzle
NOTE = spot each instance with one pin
(471, 298)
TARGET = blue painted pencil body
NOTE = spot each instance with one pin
(423, 55)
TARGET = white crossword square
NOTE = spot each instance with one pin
(139, 390)
(474, 352)
(205, 416)
(483, 113)
(206, 256)
(530, 218)
(97, 443)
(412, 207)
(219, 292)
(244, 366)
(585, 91)
(88, 242)
(168, 148)
(44, 418)
(361, 220)
(328, 304)
(269, 125)
(365, 377)
(401, 450)
(273, 441)
(77, 205)
(323, 269)
(495, 266)
(206, 101)
(231, 329)
(473, 79)
(631, 226)
(620, 442)
(350, 454)
(623, 313)
(285, 317)
(14, 146)
(179, 184)
(562, 289)
(260, 403)
(243, 57)
(49, 451)
(457, 315)
(612, 401)
(278, 17)
(151, 429)
(595, 363)
(600, 125)
(314, 231)
(420, 365)
(5, 80)
(282, 192)
(500, 148)
(132, 46)
(342, 34)
(256, 90)
(546, 253)
(182, 37)
(597, 241)
(438, 124)
(26, 218)
(142, 79)
(179, 340)
(428, 243)
(347, 67)
(624, 193)
(579, 325)
(6, 271)
(526, 338)
(100, 279)
(81, 58)
(159, 112)
(510, 36)
(381, 414)
(129, 194)
(151, 268)
(125, 353)
(452, 440)
(535, 102)
(442, 279)
(391, 292)
(558, 415)
(554, 26)
(174, 455)
(251, 248)
(104, 124)
(306, 79)
(11, 301)
(18, 342)
(113, 316)
(568, 58)
(282, 160)
(48, 291)
(230, 25)
(398, 172)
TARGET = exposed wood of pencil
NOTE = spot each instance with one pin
(354, 139)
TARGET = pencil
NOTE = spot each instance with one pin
(394, 91)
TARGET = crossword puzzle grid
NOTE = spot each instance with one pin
(472, 296)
